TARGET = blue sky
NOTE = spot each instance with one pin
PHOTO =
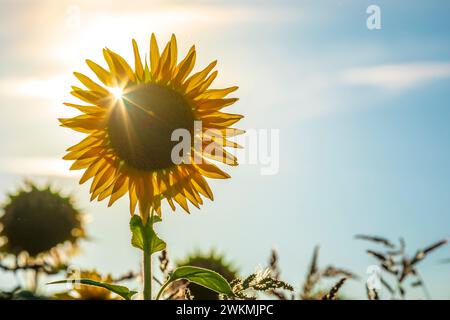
(363, 118)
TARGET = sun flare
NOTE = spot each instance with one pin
(116, 92)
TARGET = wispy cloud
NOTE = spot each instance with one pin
(47, 167)
(49, 87)
(397, 76)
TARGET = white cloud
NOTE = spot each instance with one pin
(52, 167)
(48, 87)
(396, 76)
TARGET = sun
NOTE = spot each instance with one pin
(129, 120)
(116, 92)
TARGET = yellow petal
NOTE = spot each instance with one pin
(216, 136)
(81, 164)
(89, 141)
(84, 123)
(144, 188)
(119, 68)
(105, 193)
(162, 182)
(181, 200)
(170, 201)
(92, 152)
(92, 170)
(201, 185)
(137, 62)
(230, 132)
(147, 73)
(193, 80)
(154, 55)
(156, 205)
(220, 119)
(88, 96)
(211, 105)
(119, 190)
(90, 84)
(101, 180)
(102, 74)
(173, 52)
(216, 93)
(192, 195)
(202, 86)
(91, 110)
(163, 70)
(185, 67)
(195, 193)
(191, 198)
(217, 153)
(209, 170)
(132, 196)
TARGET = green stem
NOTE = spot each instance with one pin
(148, 276)
(162, 289)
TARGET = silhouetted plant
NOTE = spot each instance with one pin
(315, 274)
(397, 264)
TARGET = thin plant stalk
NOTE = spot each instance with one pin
(424, 287)
(148, 275)
(158, 296)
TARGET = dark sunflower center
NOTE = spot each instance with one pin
(140, 130)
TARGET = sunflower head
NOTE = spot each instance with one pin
(211, 261)
(37, 221)
(130, 119)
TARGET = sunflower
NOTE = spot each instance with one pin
(39, 222)
(130, 119)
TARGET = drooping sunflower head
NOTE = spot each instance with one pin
(38, 221)
(131, 118)
(211, 261)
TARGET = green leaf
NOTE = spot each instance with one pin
(147, 74)
(144, 237)
(137, 239)
(122, 291)
(203, 277)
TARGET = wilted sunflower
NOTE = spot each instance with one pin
(36, 221)
(130, 118)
